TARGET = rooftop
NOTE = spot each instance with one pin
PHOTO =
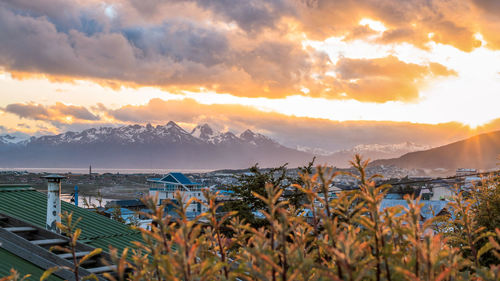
(174, 178)
(26, 204)
(10, 260)
(430, 208)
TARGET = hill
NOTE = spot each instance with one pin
(478, 152)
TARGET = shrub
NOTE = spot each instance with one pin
(348, 237)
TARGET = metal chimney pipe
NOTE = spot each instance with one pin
(76, 195)
(53, 201)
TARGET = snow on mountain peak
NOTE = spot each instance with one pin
(256, 138)
(173, 125)
(390, 148)
(8, 139)
(247, 135)
(203, 132)
(149, 134)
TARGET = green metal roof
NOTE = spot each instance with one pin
(29, 205)
(22, 266)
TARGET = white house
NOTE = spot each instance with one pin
(167, 187)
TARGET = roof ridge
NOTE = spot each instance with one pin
(15, 187)
(112, 235)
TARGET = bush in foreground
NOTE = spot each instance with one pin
(349, 238)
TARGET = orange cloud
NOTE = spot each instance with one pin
(251, 48)
(383, 79)
(450, 22)
(57, 113)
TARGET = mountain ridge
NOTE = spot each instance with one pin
(160, 146)
(480, 152)
(171, 146)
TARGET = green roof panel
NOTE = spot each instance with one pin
(29, 205)
(22, 266)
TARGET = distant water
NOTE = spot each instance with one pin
(105, 170)
(92, 200)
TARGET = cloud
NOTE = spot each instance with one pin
(77, 112)
(208, 45)
(451, 22)
(383, 79)
(175, 54)
(13, 133)
(58, 112)
(252, 16)
(31, 111)
(489, 23)
(23, 125)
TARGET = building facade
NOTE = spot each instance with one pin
(167, 186)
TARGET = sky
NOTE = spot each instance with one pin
(322, 74)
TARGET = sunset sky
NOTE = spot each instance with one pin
(327, 74)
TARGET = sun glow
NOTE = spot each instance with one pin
(373, 24)
(454, 98)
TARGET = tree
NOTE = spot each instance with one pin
(295, 196)
(254, 182)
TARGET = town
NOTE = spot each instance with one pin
(125, 191)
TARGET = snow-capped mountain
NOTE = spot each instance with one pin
(170, 146)
(161, 146)
(137, 134)
(313, 150)
(8, 139)
(257, 139)
(341, 158)
(132, 134)
(207, 134)
(13, 140)
(397, 148)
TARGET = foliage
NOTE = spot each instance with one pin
(342, 237)
(476, 214)
(255, 182)
(346, 237)
(68, 228)
(15, 276)
(251, 183)
(488, 207)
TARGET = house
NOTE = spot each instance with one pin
(465, 172)
(438, 190)
(25, 204)
(131, 204)
(429, 209)
(167, 186)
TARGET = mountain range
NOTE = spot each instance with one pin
(161, 146)
(170, 146)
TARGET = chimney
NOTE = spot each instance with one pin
(53, 201)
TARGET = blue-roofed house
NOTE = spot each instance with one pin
(167, 186)
(430, 209)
